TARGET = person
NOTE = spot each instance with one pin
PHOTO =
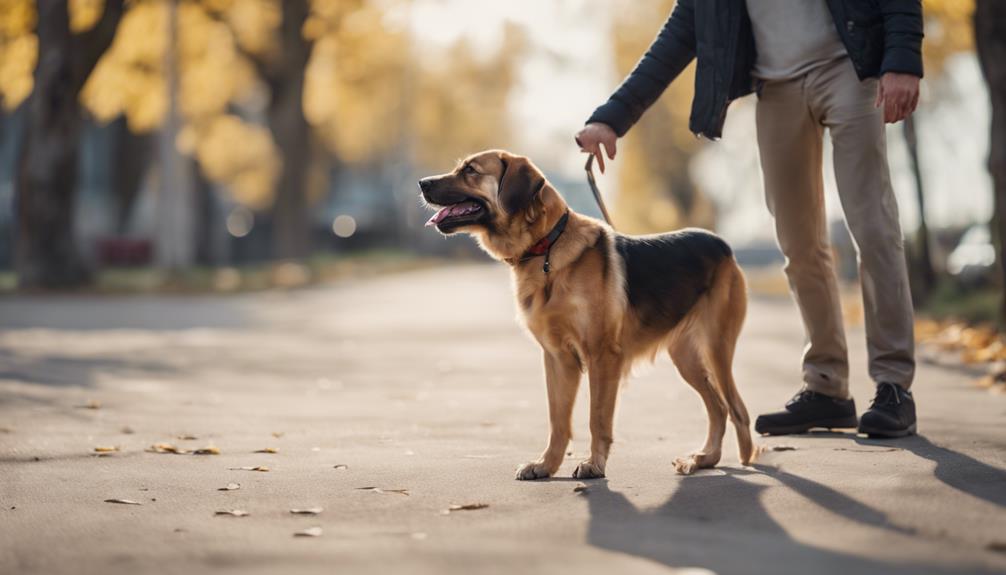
(845, 65)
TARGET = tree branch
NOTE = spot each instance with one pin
(89, 46)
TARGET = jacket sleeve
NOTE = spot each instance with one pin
(902, 36)
(671, 51)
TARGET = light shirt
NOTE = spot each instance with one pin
(792, 37)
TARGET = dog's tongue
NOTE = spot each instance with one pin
(452, 210)
(439, 216)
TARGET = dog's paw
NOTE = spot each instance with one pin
(532, 471)
(692, 463)
(588, 470)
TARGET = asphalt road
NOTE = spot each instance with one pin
(423, 382)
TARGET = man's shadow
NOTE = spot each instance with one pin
(719, 522)
(957, 470)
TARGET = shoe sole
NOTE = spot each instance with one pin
(836, 423)
(888, 433)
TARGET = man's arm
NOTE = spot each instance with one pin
(902, 37)
(670, 53)
(901, 67)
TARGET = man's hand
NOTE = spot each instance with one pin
(898, 94)
(592, 136)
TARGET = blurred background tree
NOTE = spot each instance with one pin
(990, 37)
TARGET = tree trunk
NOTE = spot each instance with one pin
(990, 41)
(130, 161)
(291, 224)
(175, 204)
(923, 275)
(46, 254)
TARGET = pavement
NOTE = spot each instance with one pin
(423, 382)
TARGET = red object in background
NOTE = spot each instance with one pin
(120, 251)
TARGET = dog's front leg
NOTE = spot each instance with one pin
(605, 374)
(562, 378)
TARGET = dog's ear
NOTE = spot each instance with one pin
(520, 184)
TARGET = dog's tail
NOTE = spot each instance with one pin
(729, 295)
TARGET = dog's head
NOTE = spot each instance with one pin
(490, 194)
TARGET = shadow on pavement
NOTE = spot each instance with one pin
(962, 472)
(62, 371)
(718, 522)
(957, 470)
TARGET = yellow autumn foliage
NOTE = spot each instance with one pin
(18, 51)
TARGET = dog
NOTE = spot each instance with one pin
(598, 301)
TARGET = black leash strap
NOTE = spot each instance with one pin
(589, 168)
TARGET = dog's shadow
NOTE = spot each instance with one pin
(720, 522)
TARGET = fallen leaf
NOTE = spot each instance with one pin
(782, 448)
(278, 434)
(106, 449)
(309, 532)
(91, 404)
(230, 487)
(380, 490)
(340, 466)
(123, 501)
(232, 512)
(267, 450)
(127, 430)
(581, 488)
(166, 448)
(256, 468)
(308, 511)
(465, 507)
(187, 437)
(208, 450)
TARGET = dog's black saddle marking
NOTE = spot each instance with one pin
(665, 274)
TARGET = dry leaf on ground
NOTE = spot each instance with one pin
(208, 450)
(230, 487)
(167, 448)
(91, 404)
(256, 468)
(106, 449)
(123, 501)
(278, 434)
(581, 488)
(308, 511)
(309, 532)
(267, 450)
(187, 437)
(127, 430)
(380, 490)
(232, 512)
(340, 466)
(465, 507)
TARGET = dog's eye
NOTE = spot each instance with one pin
(470, 171)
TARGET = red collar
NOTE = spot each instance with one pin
(544, 246)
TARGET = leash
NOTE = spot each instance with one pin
(589, 168)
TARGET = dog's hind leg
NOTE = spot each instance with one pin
(562, 378)
(692, 367)
(729, 306)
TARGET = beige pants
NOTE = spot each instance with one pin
(791, 118)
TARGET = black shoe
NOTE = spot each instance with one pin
(808, 409)
(892, 413)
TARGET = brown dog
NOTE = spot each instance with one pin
(597, 301)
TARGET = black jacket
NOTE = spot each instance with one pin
(879, 35)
